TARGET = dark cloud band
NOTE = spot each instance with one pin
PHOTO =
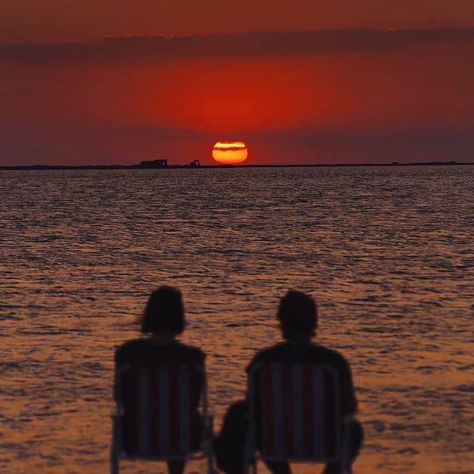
(276, 44)
(233, 148)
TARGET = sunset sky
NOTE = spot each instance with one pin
(302, 81)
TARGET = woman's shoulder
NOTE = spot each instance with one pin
(194, 352)
(147, 348)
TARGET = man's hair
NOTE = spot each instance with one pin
(297, 314)
(164, 312)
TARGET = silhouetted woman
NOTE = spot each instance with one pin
(162, 322)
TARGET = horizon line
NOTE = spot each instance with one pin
(43, 167)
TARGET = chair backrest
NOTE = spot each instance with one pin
(160, 408)
(295, 411)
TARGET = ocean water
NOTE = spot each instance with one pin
(387, 252)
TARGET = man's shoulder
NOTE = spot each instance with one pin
(269, 353)
(276, 353)
(313, 353)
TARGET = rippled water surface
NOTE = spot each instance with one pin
(387, 252)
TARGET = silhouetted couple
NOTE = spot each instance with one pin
(163, 320)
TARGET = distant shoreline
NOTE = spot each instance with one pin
(167, 167)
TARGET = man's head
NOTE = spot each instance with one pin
(298, 315)
(164, 312)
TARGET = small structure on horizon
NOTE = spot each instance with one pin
(154, 164)
(195, 164)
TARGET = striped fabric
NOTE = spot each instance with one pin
(160, 410)
(296, 411)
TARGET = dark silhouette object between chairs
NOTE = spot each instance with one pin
(158, 420)
(295, 416)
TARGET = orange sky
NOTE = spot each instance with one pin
(344, 97)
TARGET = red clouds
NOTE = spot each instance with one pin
(93, 108)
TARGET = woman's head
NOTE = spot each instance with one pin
(164, 312)
(298, 315)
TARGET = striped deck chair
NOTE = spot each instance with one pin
(295, 415)
(155, 416)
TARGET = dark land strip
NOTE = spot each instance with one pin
(193, 165)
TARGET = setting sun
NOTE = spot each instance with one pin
(230, 153)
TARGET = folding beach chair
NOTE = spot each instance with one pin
(155, 416)
(295, 415)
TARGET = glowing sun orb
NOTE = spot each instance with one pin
(230, 153)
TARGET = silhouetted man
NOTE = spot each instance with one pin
(297, 314)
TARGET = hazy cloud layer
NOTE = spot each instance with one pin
(238, 45)
(90, 20)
